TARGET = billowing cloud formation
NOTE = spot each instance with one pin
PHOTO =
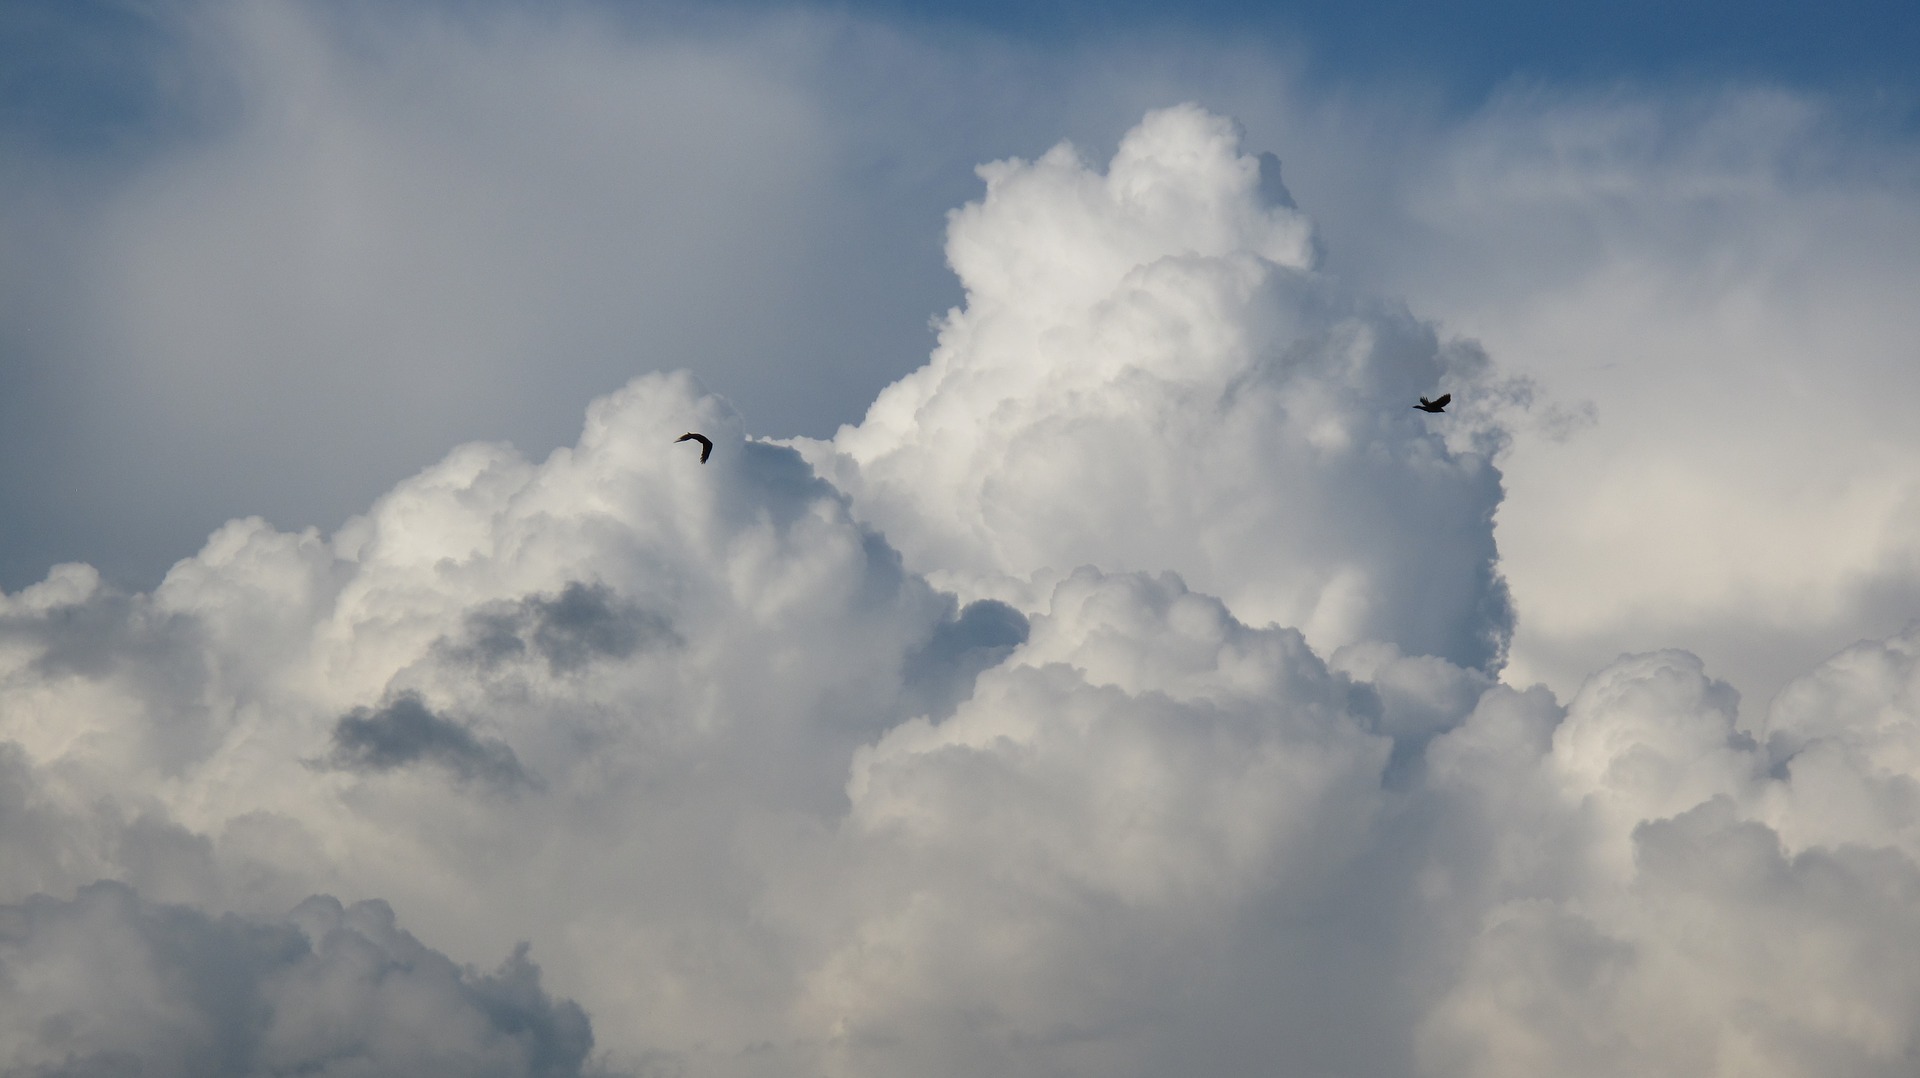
(568, 630)
(1666, 895)
(1148, 375)
(111, 984)
(742, 638)
(450, 227)
(765, 800)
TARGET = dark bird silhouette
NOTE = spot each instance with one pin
(1440, 405)
(706, 444)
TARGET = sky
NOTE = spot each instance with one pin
(1077, 657)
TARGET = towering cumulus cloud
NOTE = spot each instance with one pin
(1119, 699)
(1148, 374)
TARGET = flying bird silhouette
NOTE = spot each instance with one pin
(1440, 405)
(706, 444)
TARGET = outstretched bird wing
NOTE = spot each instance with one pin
(1445, 398)
(706, 444)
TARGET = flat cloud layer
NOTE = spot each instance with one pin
(1118, 699)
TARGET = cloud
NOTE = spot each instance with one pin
(668, 758)
(1677, 910)
(1713, 270)
(1117, 818)
(569, 630)
(110, 983)
(375, 214)
(404, 732)
(1119, 698)
(1149, 375)
(941, 675)
(1672, 254)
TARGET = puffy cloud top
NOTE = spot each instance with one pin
(1149, 375)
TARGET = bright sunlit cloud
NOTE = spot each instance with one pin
(1132, 684)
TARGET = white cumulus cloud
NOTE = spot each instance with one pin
(1121, 697)
(1149, 375)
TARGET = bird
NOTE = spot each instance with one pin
(706, 444)
(1440, 405)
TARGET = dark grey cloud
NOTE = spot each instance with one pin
(586, 622)
(941, 674)
(405, 732)
(111, 983)
(582, 624)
